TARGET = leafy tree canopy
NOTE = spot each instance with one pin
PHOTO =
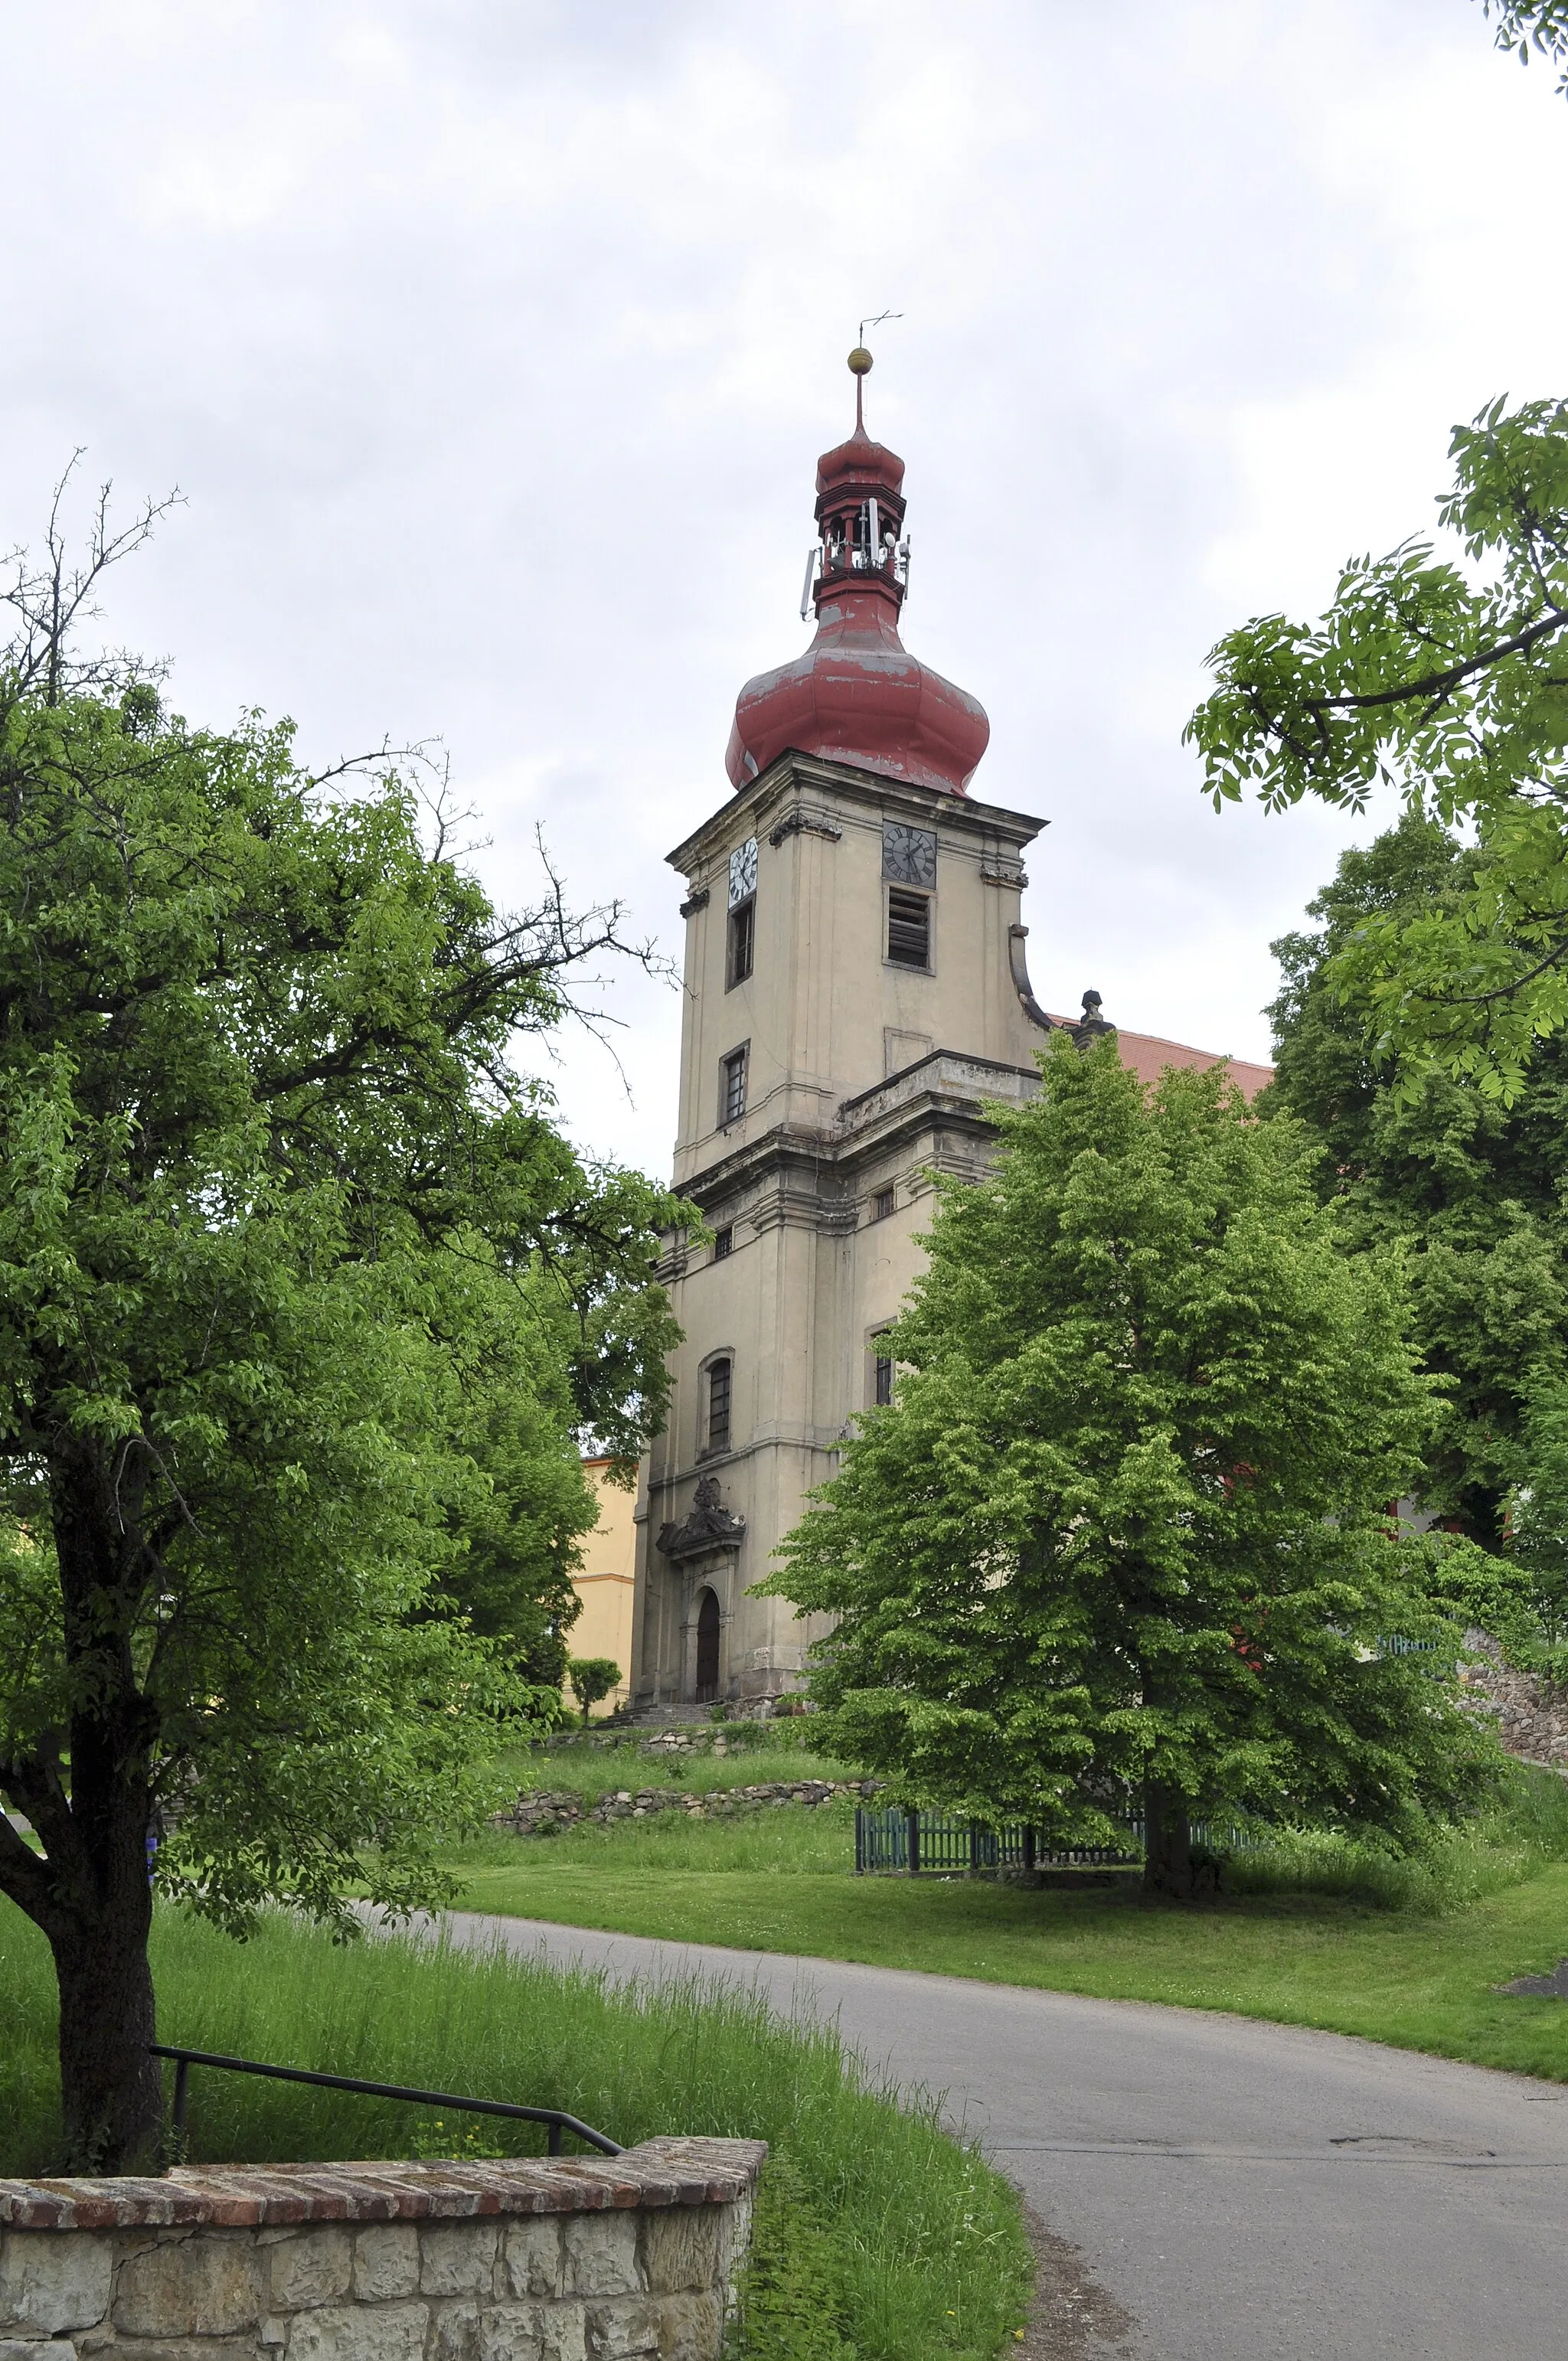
(1126, 1524)
(303, 1299)
(1523, 24)
(1528, 1612)
(1476, 1190)
(1449, 683)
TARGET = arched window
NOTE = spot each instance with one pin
(719, 1405)
(707, 1648)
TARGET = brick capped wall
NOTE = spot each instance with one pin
(573, 2259)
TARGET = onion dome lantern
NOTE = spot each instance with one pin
(857, 696)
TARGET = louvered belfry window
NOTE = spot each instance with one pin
(908, 928)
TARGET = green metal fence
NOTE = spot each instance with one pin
(941, 1843)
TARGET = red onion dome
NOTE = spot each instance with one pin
(857, 696)
(860, 462)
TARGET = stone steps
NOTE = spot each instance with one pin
(666, 1717)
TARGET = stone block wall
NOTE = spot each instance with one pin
(1532, 1716)
(543, 1811)
(623, 2258)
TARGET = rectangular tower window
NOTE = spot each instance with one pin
(723, 1240)
(883, 1392)
(732, 1086)
(908, 928)
(881, 1205)
(742, 938)
(718, 1406)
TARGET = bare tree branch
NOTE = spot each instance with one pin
(49, 602)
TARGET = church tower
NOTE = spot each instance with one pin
(855, 992)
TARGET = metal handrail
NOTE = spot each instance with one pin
(555, 2118)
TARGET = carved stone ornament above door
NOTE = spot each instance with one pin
(709, 1525)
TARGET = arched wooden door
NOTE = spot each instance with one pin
(707, 1648)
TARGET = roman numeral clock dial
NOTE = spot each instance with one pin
(742, 871)
(908, 854)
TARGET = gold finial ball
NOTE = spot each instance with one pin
(859, 360)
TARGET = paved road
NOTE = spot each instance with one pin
(1244, 2191)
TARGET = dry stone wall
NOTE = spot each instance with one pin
(593, 2259)
(540, 1811)
(1532, 1716)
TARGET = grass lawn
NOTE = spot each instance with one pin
(1419, 1975)
(899, 2237)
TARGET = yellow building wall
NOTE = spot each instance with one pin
(607, 1582)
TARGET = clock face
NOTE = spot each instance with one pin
(908, 854)
(742, 871)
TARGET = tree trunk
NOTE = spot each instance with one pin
(111, 2089)
(1168, 1845)
(97, 1913)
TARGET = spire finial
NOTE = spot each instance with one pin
(860, 362)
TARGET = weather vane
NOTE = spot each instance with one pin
(860, 360)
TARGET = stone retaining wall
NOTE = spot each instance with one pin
(674, 1738)
(576, 2259)
(1532, 1719)
(541, 1811)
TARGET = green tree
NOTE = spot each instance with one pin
(1475, 1191)
(1524, 24)
(592, 1679)
(512, 1576)
(1447, 682)
(274, 1205)
(1532, 1621)
(1126, 1524)
(595, 1334)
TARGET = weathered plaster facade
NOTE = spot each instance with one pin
(856, 994)
(863, 1076)
(604, 1584)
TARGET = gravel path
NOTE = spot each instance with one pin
(1210, 2188)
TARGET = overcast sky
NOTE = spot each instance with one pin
(493, 343)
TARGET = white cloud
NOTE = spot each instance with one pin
(494, 342)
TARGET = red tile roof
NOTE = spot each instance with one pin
(1148, 1054)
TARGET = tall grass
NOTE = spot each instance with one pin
(1523, 1829)
(919, 2242)
(790, 1841)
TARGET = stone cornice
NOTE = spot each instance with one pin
(945, 1074)
(941, 1097)
(794, 776)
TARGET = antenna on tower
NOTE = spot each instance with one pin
(811, 557)
(877, 323)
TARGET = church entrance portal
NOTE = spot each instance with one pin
(708, 1649)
